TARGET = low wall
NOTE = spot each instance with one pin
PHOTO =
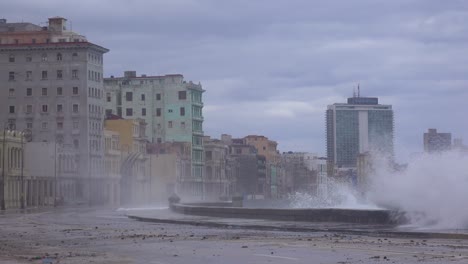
(307, 215)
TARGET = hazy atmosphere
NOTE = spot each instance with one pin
(272, 67)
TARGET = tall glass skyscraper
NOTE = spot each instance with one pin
(359, 126)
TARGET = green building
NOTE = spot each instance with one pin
(172, 109)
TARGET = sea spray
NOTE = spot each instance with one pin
(432, 191)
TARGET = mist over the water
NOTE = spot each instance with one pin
(432, 191)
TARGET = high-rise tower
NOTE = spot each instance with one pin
(359, 126)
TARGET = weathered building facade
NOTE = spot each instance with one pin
(53, 86)
(172, 108)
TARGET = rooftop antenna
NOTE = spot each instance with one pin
(354, 91)
(358, 91)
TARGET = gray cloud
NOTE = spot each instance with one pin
(272, 67)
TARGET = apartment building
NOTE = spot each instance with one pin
(52, 86)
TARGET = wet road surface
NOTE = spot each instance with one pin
(82, 235)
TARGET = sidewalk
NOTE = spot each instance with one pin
(167, 216)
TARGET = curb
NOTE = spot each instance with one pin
(396, 234)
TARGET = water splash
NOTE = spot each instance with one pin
(432, 191)
(339, 195)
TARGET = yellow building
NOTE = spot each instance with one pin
(265, 147)
(134, 184)
(12, 182)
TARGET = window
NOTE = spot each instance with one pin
(11, 92)
(33, 41)
(182, 111)
(11, 58)
(129, 111)
(108, 112)
(75, 108)
(44, 57)
(182, 95)
(208, 155)
(29, 109)
(76, 124)
(59, 108)
(159, 140)
(158, 111)
(158, 97)
(59, 74)
(11, 76)
(76, 143)
(29, 125)
(169, 124)
(28, 91)
(108, 97)
(45, 108)
(44, 91)
(44, 125)
(74, 74)
(28, 75)
(44, 75)
(143, 97)
(28, 58)
(170, 110)
(74, 55)
(143, 111)
(60, 125)
(12, 109)
(75, 90)
(129, 96)
(59, 91)
(59, 56)
(182, 125)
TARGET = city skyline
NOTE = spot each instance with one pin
(298, 61)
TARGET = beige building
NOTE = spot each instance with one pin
(112, 166)
(169, 164)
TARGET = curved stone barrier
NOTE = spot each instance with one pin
(307, 215)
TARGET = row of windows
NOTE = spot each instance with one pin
(58, 125)
(94, 76)
(29, 109)
(181, 111)
(182, 95)
(44, 91)
(170, 124)
(95, 92)
(12, 76)
(44, 57)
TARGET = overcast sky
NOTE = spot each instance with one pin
(271, 67)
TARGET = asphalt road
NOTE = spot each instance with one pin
(83, 235)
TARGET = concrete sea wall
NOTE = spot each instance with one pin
(308, 215)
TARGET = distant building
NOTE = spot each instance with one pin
(305, 172)
(134, 184)
(459, 146)
(52, 85)
(437, 142)
(268, 149)
(170, 164)
(216, 180)
(361, 125)
(171, 107)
